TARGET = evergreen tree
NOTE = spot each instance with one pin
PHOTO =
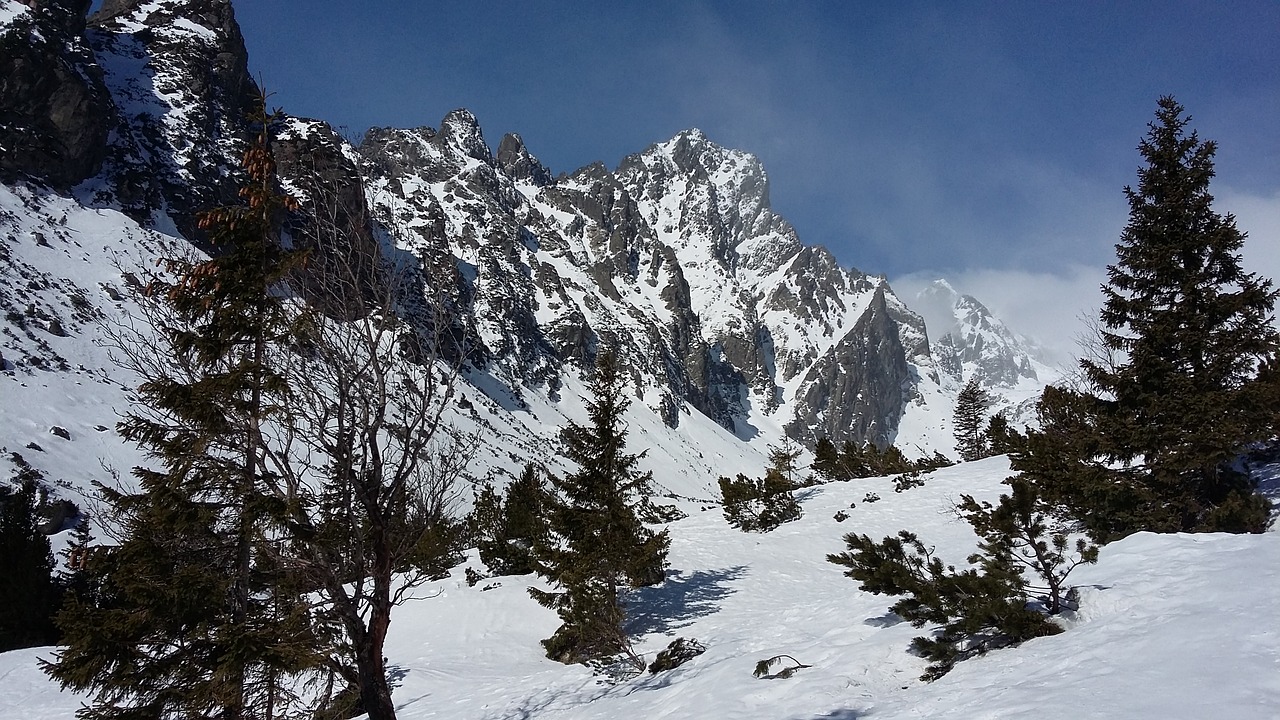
(73, 576)
(970, 417)
(764, 504)
(856, 459)
(196, 618)
(827, 462)
(28, 594)
(597, 546)
(1021, 530)
(1001, 437)
(977, 611)
(507, 528)
(1185, 335)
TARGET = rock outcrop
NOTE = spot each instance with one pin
(55, 111)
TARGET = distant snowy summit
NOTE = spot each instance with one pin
(968, 341)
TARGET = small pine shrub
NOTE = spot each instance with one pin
(758, 505)
(906, 481)
(977, 611)
(679, 652)
(764, 666)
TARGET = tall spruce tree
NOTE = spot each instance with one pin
(195, 617)
(970, 419)
(28, 594)
(597, 546)
(1174, 394)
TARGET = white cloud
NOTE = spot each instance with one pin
(1258, 215)
(1048, 307)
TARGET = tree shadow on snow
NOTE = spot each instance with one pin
(679, 600)
(396, 675)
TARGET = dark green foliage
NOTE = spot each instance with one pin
(906, 481)
(73, 575)
(1001, 437)
(1178, 384)
(977, 611)
(677, 653)
(970, 416)
(507, 528)
(195, 616)
(855, 461)
(439, 548)
(597, 546)
(758, 505)
(1020, 530)
(156, 588)
(828, 462)
(29, 596)
(761, 505)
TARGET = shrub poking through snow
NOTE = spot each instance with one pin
(1019, 531)
(758, 505)
(764, 666)
(977, 611)
(762, 504)
(679, 652)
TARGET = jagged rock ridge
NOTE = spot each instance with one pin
(674, 258)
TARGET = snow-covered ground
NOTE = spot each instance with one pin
(1169, 626)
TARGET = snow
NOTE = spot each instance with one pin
(1169, 626)
(11, 10)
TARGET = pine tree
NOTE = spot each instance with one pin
(195, 617)
(856, 459)
(1001, 437)
(1188, 331)
(597, 546)
(977, 611)
(73, 576)
(827, 462)
(763, 504)
(508, 528)
(28, 594)
(970, 419)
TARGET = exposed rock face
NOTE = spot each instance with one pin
(55, 112)
(675, 259)
(858, 388)
(518, 164)
(314, 166)
(178, 72)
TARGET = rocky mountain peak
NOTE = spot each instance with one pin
(460, 130)
(969, 341)
(675, 259)
(177, 72)
(515, 160)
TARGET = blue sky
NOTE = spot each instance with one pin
(985, 141)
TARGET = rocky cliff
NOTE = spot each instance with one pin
(673, 258)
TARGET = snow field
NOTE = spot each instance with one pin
(1169, 626)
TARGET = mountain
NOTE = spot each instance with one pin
(121, 126)
(117, 128)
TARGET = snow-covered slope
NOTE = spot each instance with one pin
(735, 333)
(1168, 626)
